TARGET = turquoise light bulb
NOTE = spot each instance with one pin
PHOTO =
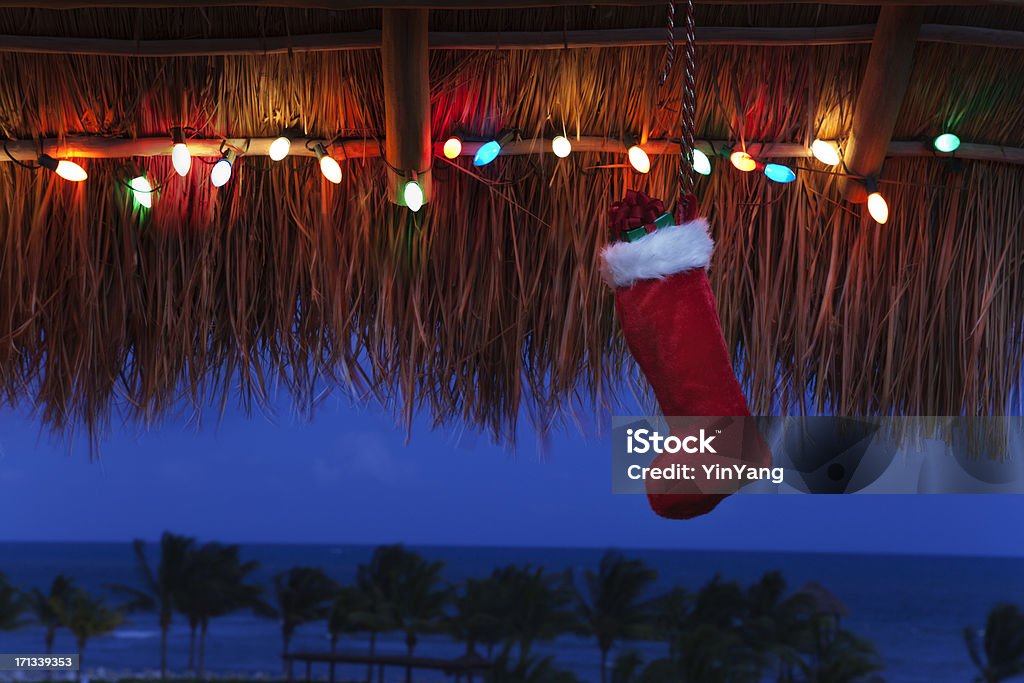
(487, 153)
(779, 173)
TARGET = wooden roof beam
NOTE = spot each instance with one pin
(881, 94)
(767, 36)
(103, 147)
(347, 5)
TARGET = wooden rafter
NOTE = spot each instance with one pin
(346, 5)
(881, 94)
(97, 147)
(515, 40)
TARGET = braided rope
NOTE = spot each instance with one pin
(670, 47)
(688, 110)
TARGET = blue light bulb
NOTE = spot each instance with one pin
(779, 173)
(487, 153)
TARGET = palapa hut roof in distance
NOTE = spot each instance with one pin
(490, 301)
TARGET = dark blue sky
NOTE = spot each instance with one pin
(349, 477)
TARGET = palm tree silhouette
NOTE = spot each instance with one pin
(410, 587)
(527, 670)
(12, 606)
(845, 658)
(538, 605)
(719, 603)
(215, 585)
(303, 595)
(162, 584)
(778, 625)
(670, 618)
(709, 654)
(1000, 655)
(611, 607)
(378, 615)
(47, 606)
(87, 617)
(348, 614)
(477, 616)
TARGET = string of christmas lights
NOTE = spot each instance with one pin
(488, 151)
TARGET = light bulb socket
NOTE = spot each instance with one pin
(320, 150)
(870, 185)
(229, 155)
(505, 137)
(47, 162)
(178, 135)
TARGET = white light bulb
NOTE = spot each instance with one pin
(279, 148)
(878, 208)
(701, 163)
(561, 146)
(221, 173)
(69, 170)
(825, 152)
(142, 191)
(181, 158)
(413, 196)
(330, 168)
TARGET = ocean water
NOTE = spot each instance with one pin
(913, 608)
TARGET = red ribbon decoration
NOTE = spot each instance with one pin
(635, 210)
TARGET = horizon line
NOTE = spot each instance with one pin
(752, 551)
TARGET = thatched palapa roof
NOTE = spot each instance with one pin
(489, 302)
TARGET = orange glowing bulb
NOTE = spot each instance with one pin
(639, 160)
(452, 148)
(743, 161)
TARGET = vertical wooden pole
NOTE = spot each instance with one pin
(405, 62)
(881, 93)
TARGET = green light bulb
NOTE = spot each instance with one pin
(947, 142)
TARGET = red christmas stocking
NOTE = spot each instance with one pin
(667, 314)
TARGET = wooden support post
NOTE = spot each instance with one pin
(881, 93)
(405, 60)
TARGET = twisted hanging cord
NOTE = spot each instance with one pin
(670, 47)
(688, 110)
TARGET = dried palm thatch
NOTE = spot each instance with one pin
(490, 302)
